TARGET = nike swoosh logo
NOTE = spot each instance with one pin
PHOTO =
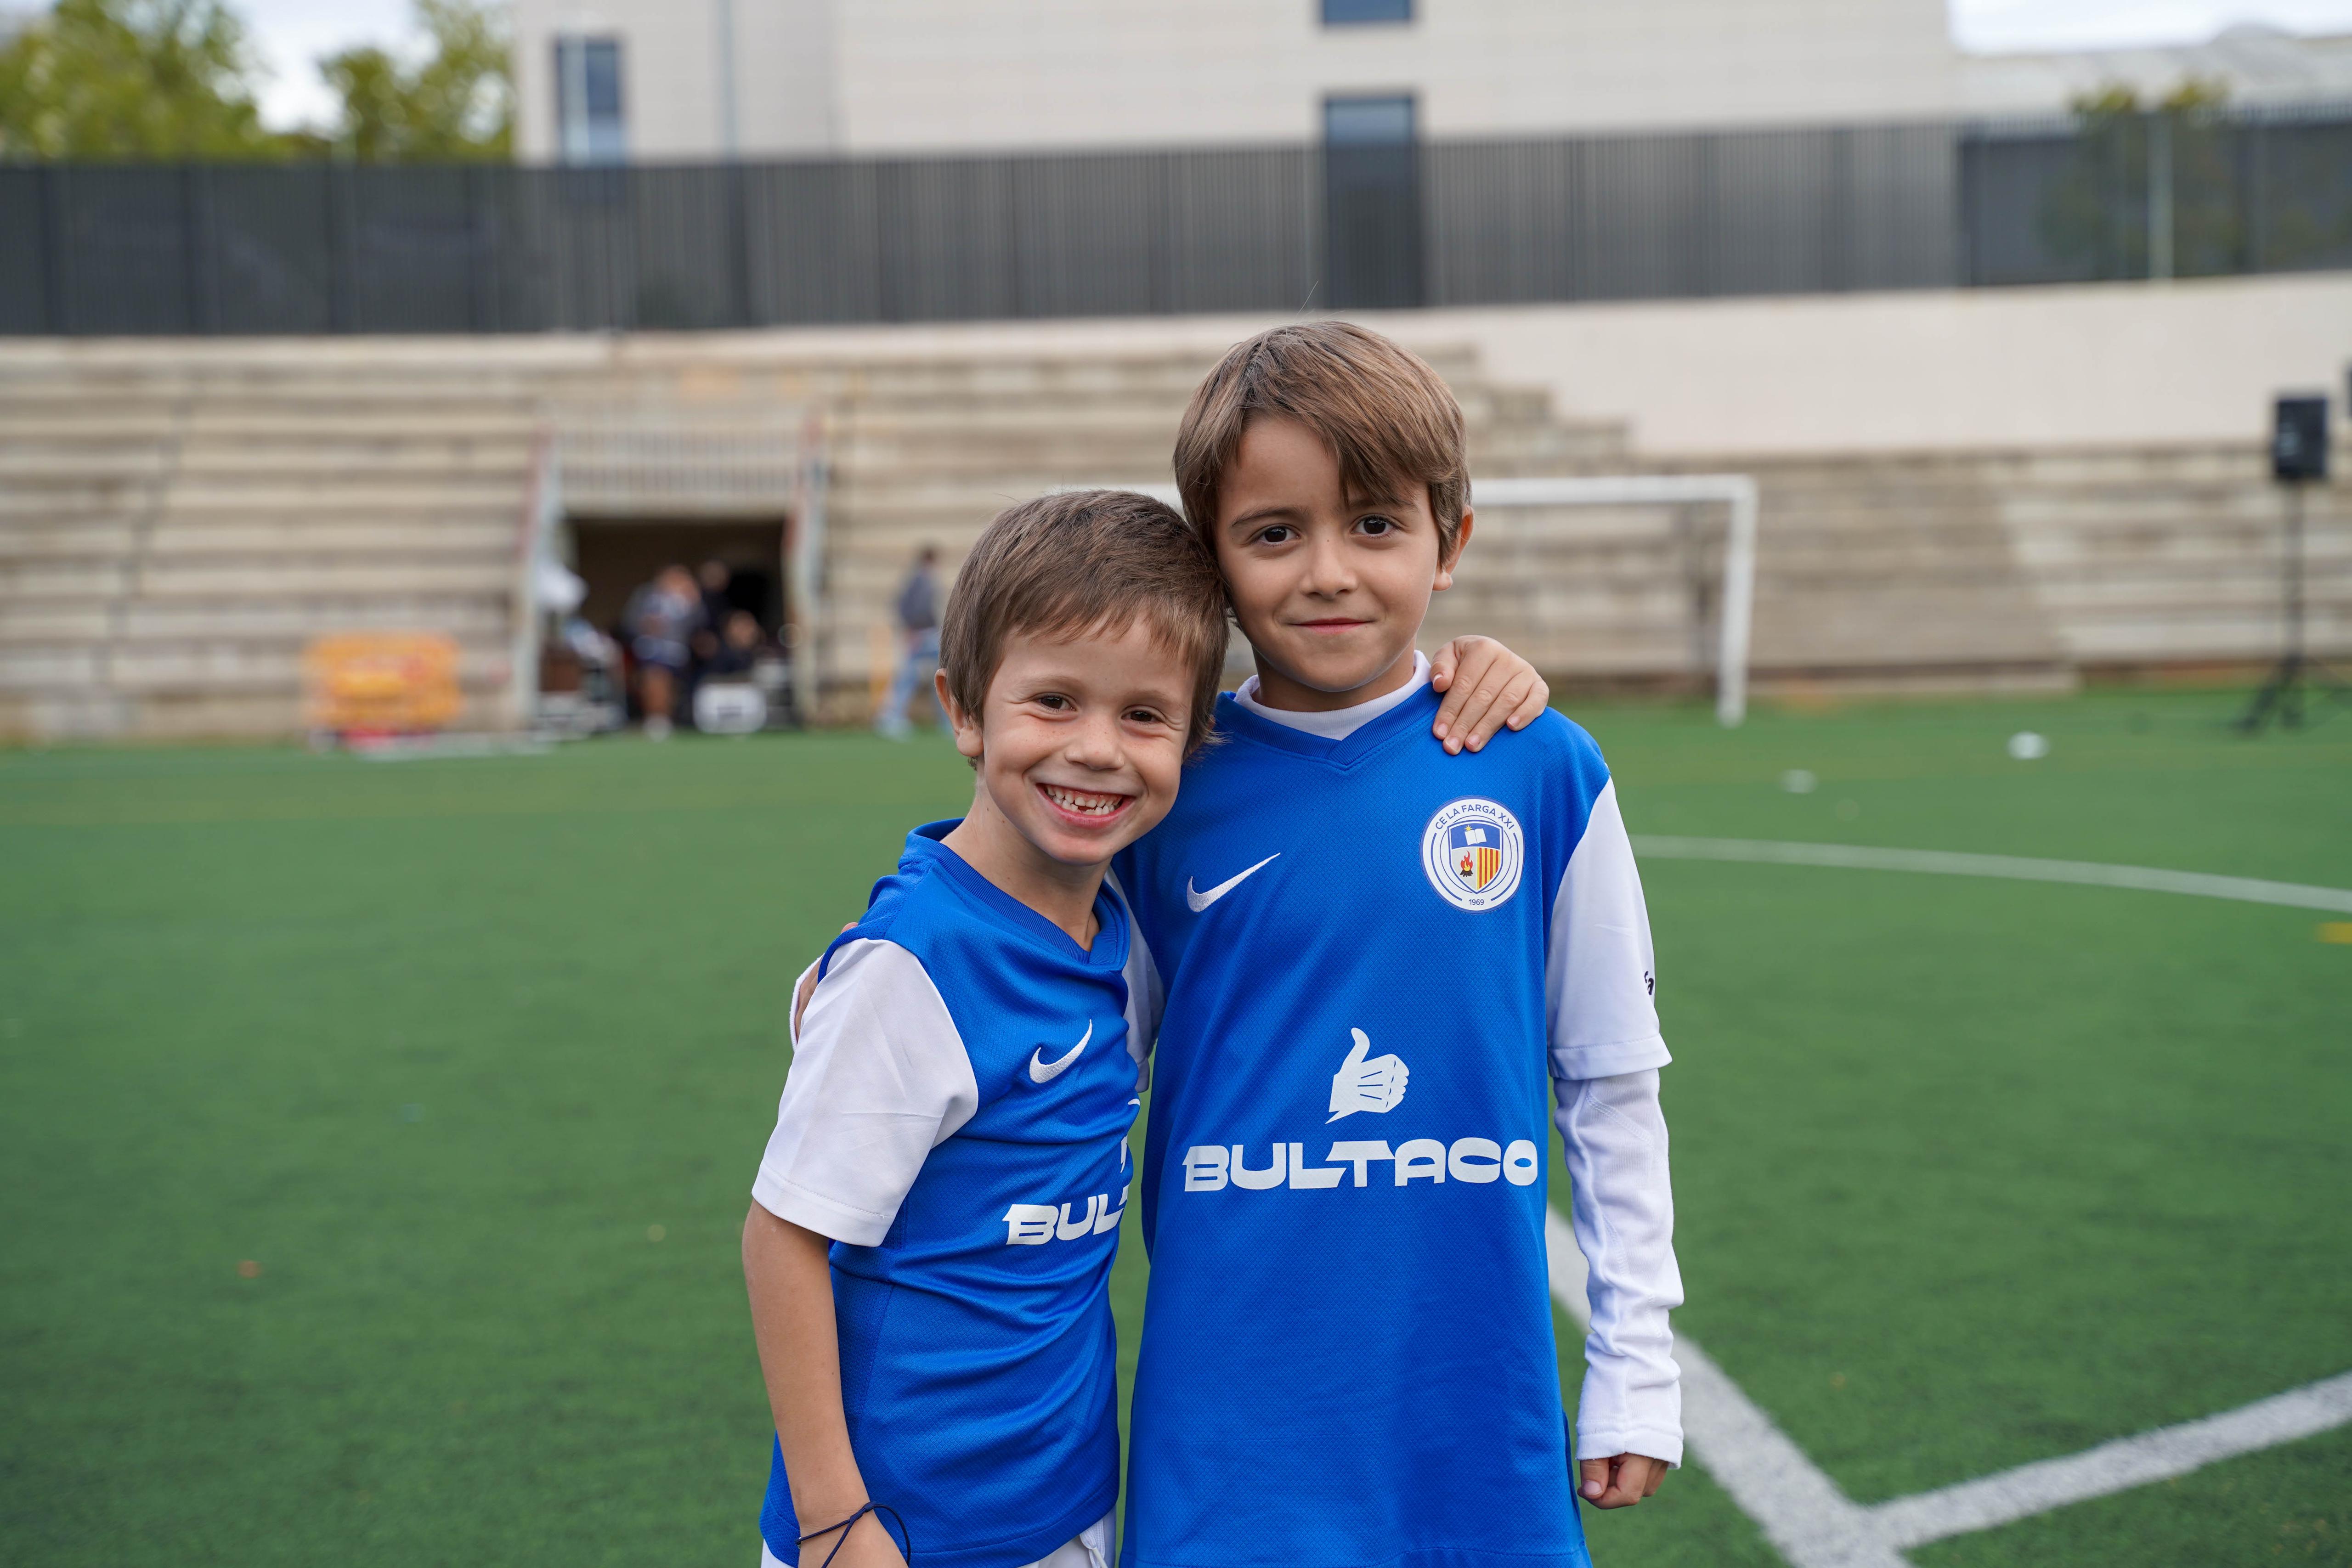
(1200, 900)
(1044, 1072)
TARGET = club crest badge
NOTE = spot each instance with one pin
(1473, 852)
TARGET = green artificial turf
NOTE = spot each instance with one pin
(1968, 1172)
(2288, 1505)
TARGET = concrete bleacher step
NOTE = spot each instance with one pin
(171, 540)
(300, 460)
(363, 532)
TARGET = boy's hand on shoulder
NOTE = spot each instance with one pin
(1486, 686)
(1620, 1480)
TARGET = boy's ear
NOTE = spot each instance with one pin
(966, 725)
(1448, 559)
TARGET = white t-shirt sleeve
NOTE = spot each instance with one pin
(1597, 980)
(879, 1078)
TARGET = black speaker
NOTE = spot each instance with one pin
(2299, 440)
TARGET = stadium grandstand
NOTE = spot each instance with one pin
(184, 516)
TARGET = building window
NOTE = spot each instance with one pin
(1371, 202)
(1353, 13)
(589, 126)
(1368, 122)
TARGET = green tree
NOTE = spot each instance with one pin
(454, 105)
(2097, 213)
(132, 80)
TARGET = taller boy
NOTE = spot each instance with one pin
(1374, 955)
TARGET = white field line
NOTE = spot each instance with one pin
(2019, 868)
(1814, 1525)
(2127, 1462)
(1800, 1510)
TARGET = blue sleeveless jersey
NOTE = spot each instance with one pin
(978, 1367)
(1348, 1358)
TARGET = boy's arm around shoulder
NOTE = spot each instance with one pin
(1487, 687)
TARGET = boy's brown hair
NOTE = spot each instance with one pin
(1385, 415)
(1083, 561)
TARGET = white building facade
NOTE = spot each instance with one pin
(707, 80)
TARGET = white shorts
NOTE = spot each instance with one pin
(1090, 1548)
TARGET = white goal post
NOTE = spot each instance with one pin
(1735, 491)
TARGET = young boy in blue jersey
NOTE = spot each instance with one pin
(1373, 956)
(929, 1247)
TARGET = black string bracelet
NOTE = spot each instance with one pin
(903, 1542)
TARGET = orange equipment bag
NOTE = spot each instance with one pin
(380, 683)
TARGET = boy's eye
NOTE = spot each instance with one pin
(1376, 527)
(1054, 700)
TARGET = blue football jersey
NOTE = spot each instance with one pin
(956, 1120)
(1349, 1355)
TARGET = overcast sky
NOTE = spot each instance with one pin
(290, 35)
(294, 32)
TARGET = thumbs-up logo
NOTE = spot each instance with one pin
(1361, 1086)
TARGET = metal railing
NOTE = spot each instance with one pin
(89, 248)
(2157, 195)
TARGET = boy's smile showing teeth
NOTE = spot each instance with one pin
(1079, 744)
(1085, 802)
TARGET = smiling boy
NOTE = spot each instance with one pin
(934, 1219)
(1374, 955)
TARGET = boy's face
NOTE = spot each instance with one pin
(1330, 588)
(1080, 742)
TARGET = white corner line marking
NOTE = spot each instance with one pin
(2019, 868)
(2127, 1462)
(1814, 1525)
(1800, 1509)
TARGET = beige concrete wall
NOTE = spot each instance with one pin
(945, 74)
(2113, 363)
(2109, 364)
(2104, 364)
(958, 75)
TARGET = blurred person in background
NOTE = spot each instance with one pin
(918, 610)
(713, 576)
(662, 620)
(737, 650)
(711, 579)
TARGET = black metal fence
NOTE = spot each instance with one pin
(2128, 196)
(90, 248)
